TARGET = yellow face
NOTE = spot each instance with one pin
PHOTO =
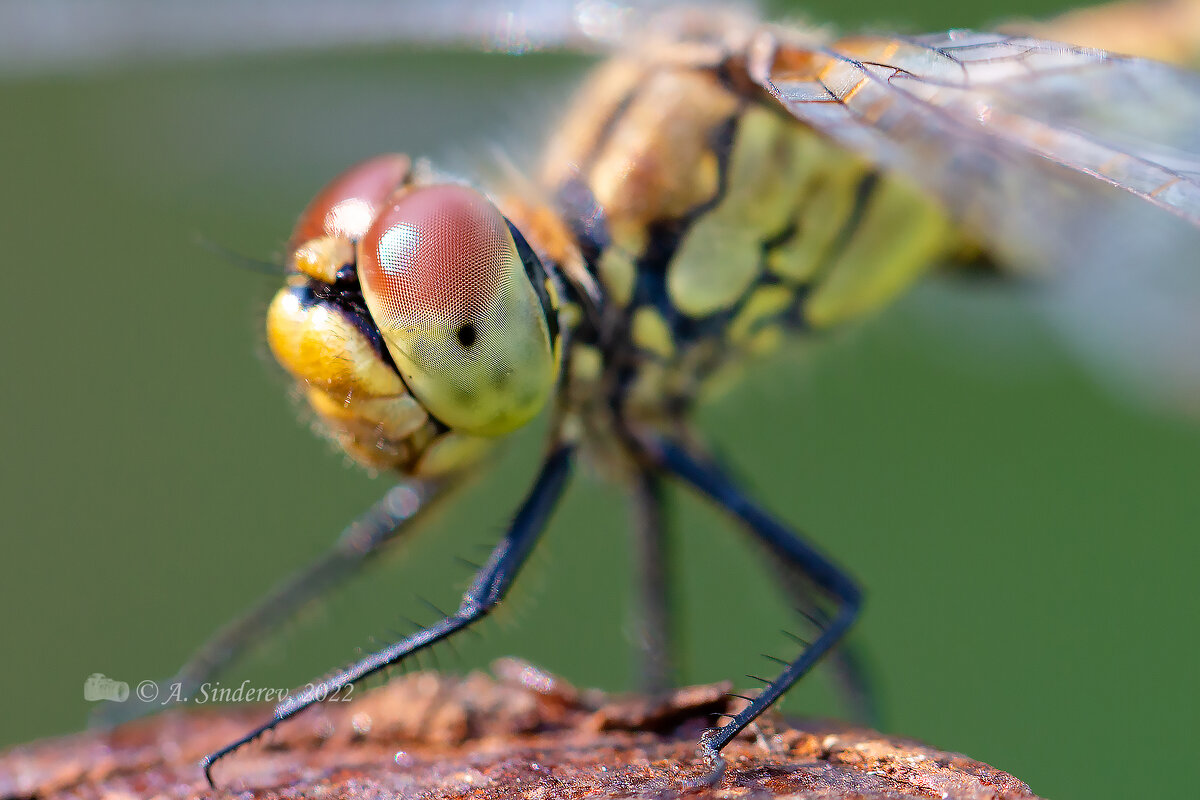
(446, 284)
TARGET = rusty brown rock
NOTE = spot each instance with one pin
(526, 735)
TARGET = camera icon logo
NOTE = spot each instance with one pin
(98, 687)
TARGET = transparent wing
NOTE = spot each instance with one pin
(1058, 160)
(73, 35)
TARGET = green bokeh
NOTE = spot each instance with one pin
(1028, 541)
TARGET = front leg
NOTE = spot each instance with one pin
(489, 587)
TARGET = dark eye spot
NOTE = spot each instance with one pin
(466, 335)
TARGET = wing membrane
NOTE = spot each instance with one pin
(1057, 159)
(965, 107)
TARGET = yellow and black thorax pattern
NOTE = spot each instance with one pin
(714, 223)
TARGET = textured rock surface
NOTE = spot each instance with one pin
(522, 735)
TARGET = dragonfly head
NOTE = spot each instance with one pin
(423, 291)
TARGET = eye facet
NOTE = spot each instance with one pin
(445, 282)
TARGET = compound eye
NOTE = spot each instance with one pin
(445, 282)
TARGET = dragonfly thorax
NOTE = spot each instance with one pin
(713, 225)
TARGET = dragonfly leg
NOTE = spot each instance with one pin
(710, 481)
(851, 674)
(490, 585)
(655, 642)
(360, 540)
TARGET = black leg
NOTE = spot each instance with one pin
(361, 539)
(845, 662)
(489, 587)
(655, 643)
(710, 481)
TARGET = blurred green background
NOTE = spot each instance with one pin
(1028, 541)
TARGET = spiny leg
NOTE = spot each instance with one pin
(709, 480)
(654, 636)
(851, 675)
(360, 540)
(846, 663)
(489, 587)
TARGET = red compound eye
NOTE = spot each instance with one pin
(347, 205)
(444, 282)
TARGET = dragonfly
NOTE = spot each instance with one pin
(721, 186)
